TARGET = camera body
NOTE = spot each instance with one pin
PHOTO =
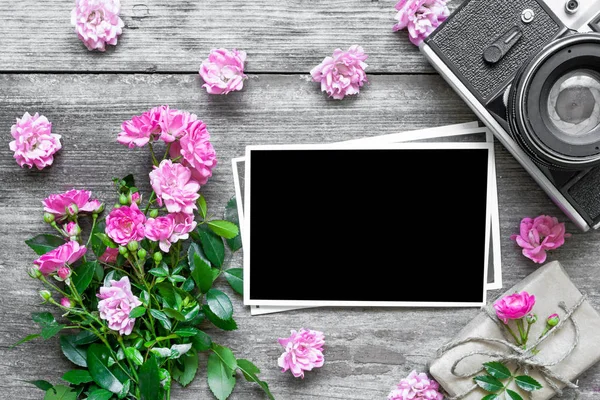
(530, 70)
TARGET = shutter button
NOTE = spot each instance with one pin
(527, 15)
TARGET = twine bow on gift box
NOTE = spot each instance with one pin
(525, 359)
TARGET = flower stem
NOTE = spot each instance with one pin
(150, 200)
(167, 151)
(512, 334)
(519, 323)
(94, 218)
(154, 160)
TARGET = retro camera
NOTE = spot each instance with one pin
(530, 70)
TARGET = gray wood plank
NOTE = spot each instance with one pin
(368, 350)
(291, 36)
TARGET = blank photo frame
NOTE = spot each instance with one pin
(348, 216)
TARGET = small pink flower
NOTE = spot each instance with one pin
(183, 225)
(160, 230)
(72, 229)
(197, 152)
(125, 224)
(223, 71)
(97, 22)
(34, 143)
(71, 202)
(538, 235)
(136, 198)
(174, 123)
(109, 256)
(514, 306)
(116, 302)
(342, 74)
(173, 185)
(64, 273)
(59, 257)
(303, 351)
(141, 128)
(420, 17)
(66, 303)
(416, 386)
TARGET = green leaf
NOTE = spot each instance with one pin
(201, 341)
(83, 275)
(162, 318)
(488, 383)
(149, 380)
(226, 325)
(137, 312)
(76, 354)
(60, 392)
(169, 295)
(98, 243)
(226, 355)
(202, 207)
(97, 359)
(497, 370)
(48, 324)
(187, 332)
(195, 248)
(225, 229)
(77, 376)
(513, 395)
(231, 214)
(212, 244)
(527, 383)
(491, 396)
(250, 372)
(26, 339)
(41, 384)
(83, 337)
(191, 313)
(134, 355)
(221, 379)
(235, 277)
(161, 271)
(174, 314)
(220, 304)
(43, 243)
(202, 274)
(100, 394)
(190, 368)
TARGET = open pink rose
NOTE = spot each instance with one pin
(116, 303)
(416, 386)
(303, 351)
(420, 17)
(538, 235)
(183, 225)
(63, 255)
(196, 151)
(141, 128)
(343, 73)
(125, 224)
(34, 143)
(514, 306)
(173, 185)
(223, 71)
(174, 123)
(71, 202)
(160, 230)
(97, 22)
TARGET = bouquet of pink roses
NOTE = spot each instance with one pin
(135, 291)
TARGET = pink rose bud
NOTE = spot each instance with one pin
(98, 209)
(553, 320)
(72, 209)
(46, 295)
(135, 198)
(72, 229)
(66, 303)
(35, 273)
(48, 218)
(532, 318)
(64, 273)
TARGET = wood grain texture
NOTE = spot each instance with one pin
(368, 350)
(176, 35)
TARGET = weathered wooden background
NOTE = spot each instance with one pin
(44, 68)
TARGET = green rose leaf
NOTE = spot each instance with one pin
(497, 370)
(201, 341)
(250, 372)
(97, 359)
(513, 395)
(202, 273)
(192, 313)
(176, 315)
(77, 376)
(137, 312)
(149, 380)
(235, 277)
(100, 243)
(76, 354)
(48, 324)
(221, 379)
(202, 207)
(83, 337)
(134, 355)
(195, 248)
(226, 355)
(60, 392)
(212, 244)
(491, 396)
(527, 383)
(220, 304)
(43, 243)
(231, 214)
(41, 384)
(225, 229)
(226, 325)
(100, 394)
(187, 332)
(190, 368)
(488, 383)
(83, 275)
(162, 318)
(26, 339)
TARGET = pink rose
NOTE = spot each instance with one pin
(140, 129)
(34, 143)
(420, 17)
(160, 230)
(174, 123)
(64, 255)
(71, 202)
(173, 185)
(116, 302)
(223, 71)
(64, 273)
(538, 235)
(342, 74)
(303, 351)
(97, 22)
(66, 303)
(72, 229)
(197, 152)
(183, 225)
(514, 306)
(109, 256)
(125, 224)
(416, 386)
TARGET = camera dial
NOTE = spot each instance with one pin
(571, 6)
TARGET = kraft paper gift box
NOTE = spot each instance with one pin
(563, 355)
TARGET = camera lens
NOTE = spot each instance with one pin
(571, 6)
